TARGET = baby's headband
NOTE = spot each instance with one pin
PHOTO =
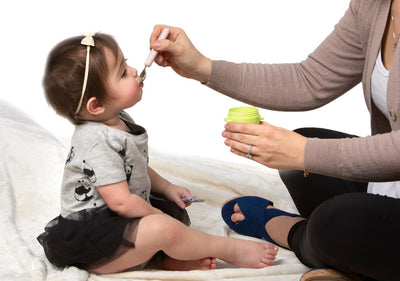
(86, 41)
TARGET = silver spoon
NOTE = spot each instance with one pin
(150, 58)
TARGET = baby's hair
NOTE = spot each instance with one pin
(65, 71)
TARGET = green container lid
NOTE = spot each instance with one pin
(244, 114)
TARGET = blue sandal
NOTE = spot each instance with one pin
(256, 216)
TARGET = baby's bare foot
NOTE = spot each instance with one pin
(182, 265)
(250, 254)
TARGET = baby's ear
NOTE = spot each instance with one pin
(93, 106)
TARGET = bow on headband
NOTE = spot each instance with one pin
(87, 41)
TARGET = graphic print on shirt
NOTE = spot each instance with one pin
(84, 190)
(71, 155)
(128, 167)
(146, 155)
(88, 170)
(143, 194)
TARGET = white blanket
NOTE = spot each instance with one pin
(31, 166)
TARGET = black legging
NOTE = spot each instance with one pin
(346, 228)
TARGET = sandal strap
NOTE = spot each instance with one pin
(256, 214)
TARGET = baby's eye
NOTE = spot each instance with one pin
(124, 72)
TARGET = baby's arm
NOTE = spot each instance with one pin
(120, 200)
(171, 191)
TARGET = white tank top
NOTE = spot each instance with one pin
(379, 82)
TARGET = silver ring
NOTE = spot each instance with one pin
(249, 151)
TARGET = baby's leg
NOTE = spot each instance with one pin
(182, 265)
(184, 243)
(180, 242)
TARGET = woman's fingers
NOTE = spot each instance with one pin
(242, 149)
(266, 144)
(239, 136)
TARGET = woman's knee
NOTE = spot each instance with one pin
(347, 232)
(291, 177)
(322, 133)
(336, 225)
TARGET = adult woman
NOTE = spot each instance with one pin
(341, 184)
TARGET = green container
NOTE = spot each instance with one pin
(244, 114)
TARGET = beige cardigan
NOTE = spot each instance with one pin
(345, 58)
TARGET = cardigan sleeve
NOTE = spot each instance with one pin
(332, 69)
(372, 158)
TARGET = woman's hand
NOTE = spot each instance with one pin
(272, 146)
(175, 193)
(178, 52)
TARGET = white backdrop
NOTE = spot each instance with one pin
(182, 116)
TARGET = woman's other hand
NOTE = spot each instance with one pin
(178, 52)
(272, 146)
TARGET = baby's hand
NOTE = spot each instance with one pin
(175, 193)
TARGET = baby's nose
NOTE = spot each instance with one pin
(134, 71)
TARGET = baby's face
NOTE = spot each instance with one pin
(124, 85)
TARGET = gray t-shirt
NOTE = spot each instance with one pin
(102, 155)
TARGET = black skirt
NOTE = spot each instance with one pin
(93, 237)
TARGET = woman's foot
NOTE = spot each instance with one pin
(328, 274)
(277, 227)
(182, 265)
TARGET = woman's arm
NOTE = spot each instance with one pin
(372, 158)
(333, 68)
